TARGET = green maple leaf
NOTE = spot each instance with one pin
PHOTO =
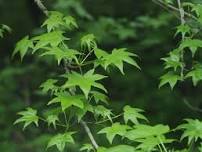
(141, 131)
(60, 53)
(192, 130)
(88, 41)
(119, 148)
(117, 57)
(57, 20)
(169, 78)
(51, 119)
(23, 46)
(195, 74)
(87, 148)
(192, 44)
(115, 129)
(133, 114)
(183, 29)
(54, 21)
(60, 141)
(70, 22)
(53, 39)
(173, 60)
(67, 100)
(102, 111)
(81, 112)
(49, 85)
(98, 96)
(28, 116)
(84, 82)
(149, 143)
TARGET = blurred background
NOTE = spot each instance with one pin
(140, 25)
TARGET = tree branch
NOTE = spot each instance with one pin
(168, 6)
(95, 145)
(41, 7)
(182, 18)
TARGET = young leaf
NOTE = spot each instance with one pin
(88, 41)
(87, 148)
(67, 100)
(61, 140)
(98, 96)
(173, 60)
(117, 57)
(70, 22)
(133, 114)
(61, 53)
(23, 46)
(54, 21)
(183, 30)
(49, 85)
(169, 78)
(51, 119)
(28, 116)
(195, 74)
(143, 131)
(100, 110)
(192, 130)
(149, 143)
(192, 44)
(85, 82)
(53, 39)
(115, 129)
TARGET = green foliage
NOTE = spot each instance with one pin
(4, 29)
(57, 20)
(61, 54)
(115, 129)
(195, 74)
(169, 78)
(29, 116)
(87, 148)
(61, 140)
(133, 114)
(51, 119)
(67, 100)
(192, 130)
(52, 38)
(117, 57)
(82, 96)
(23, 46)
(85, 81)
(119, 148)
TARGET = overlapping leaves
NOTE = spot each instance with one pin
(116, 58)
(85, 82)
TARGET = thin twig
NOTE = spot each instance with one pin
(182, 19)
(102, 121)
(162, 3)
(95, 145)
(41, 7)
(192, 107)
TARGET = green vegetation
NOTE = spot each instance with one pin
(77, 78)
